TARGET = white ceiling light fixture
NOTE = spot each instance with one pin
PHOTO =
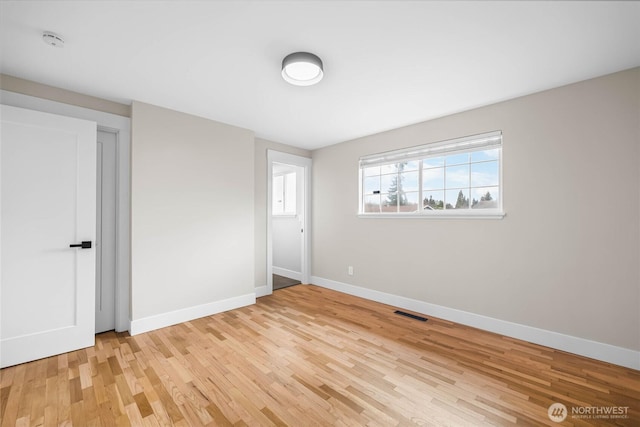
(302, 69)
(52, 39)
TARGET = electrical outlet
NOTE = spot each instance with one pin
(350, 270)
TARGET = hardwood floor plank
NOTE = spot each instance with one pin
(143, 404)
(165, 399)
(310, 356)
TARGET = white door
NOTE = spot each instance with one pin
(106, 232)
(48, 203)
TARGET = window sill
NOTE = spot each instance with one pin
(484, 214)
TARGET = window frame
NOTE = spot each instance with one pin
(468, 144)
(285, 198)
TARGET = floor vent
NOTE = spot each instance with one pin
(413, 316)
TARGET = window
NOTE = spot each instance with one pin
(460, 177)
(284, 194)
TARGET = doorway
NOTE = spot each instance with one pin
(288, 224)
(106, 230)
(117, 129)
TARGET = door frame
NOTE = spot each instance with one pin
(305, 163)
(121, 126)
(106, 166)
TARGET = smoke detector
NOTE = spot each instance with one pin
(52, 39)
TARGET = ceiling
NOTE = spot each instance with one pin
(387, 63)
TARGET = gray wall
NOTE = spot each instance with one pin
(566, 256)
(39, 90)
(192, 211)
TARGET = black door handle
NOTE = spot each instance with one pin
(84, 245)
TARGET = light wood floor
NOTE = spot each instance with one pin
(310, 356)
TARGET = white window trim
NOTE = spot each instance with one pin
(452, 146)
(450, 214)
(287, 215)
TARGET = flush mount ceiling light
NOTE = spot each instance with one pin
(302, 69)
(52, 39)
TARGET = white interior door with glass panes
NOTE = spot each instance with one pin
(47, 232)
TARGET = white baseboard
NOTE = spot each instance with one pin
(151, 323)
(295, 275)
(580, 346)
(261, 291)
